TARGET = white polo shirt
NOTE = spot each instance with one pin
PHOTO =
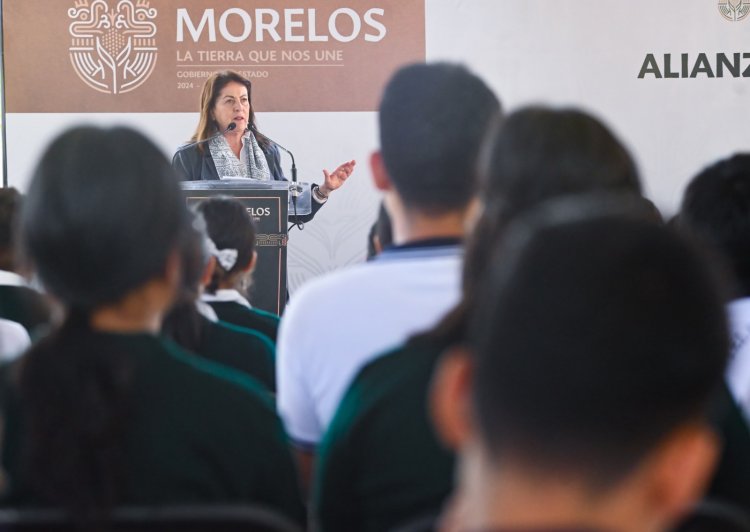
(14, 339)
(337, 323)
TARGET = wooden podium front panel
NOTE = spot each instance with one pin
(268, 208)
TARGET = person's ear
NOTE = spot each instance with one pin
(251, 264)
(173, 269)
(208, 271)
(450, 397)
(379, 174)
(680, 469)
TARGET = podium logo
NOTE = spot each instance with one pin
(113, 49)
(734, 10)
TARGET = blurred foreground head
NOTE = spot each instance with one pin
(596, 343)
(102, 215)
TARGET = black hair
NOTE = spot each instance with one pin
(380, 230)
(594, 336)
(539, 153)
(102, 215)
(716, 208)
(229, 226)
(532, 156)
(432, 122)
(183, 323)
(10, 206)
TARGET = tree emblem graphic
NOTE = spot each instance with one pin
(113, 50)
(734, 10)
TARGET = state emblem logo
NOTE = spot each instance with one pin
(734, 10)
(113, 46)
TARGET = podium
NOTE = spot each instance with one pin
(267, 202)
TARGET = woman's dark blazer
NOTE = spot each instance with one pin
(193, 165)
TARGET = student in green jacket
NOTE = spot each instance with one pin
(103, 412)
(232, 238)
(195, 326)
(367, 479)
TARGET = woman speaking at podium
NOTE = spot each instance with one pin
(226, 143)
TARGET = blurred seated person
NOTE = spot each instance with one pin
(426, 168)
(103, 412)
(580, 400)
(195, 326)
(18, 301)
(716, 210)
(537, 154)
(231, 234)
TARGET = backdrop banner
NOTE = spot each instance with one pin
(154, 55)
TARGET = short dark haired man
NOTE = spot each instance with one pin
(594, 351)
(432, 121)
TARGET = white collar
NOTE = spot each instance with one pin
(11, 279)
(225, 295)
(205, 310)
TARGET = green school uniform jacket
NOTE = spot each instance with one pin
(380, 463)
(240, 348)
(25, 306)
(251, 318)
(199, 432)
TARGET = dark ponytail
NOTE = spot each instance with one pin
(75, 399)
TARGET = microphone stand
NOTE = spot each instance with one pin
(294, 189)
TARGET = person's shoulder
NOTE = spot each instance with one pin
(237, 334)
(341, 281)
(266, 316)
(228, 384)
(403, 368)
(187, 147)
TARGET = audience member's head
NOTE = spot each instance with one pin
(716, 208)
(433, 119)
(102, 215)
(10, 206)
(541, 153)
(231, 232)
(102, 225)
(535, 155)
(595, 346)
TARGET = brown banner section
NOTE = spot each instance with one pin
(154, 55)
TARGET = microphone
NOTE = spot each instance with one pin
(251, 127)
(231, 127)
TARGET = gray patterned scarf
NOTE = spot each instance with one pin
(228, 165)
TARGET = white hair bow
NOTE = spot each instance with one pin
(226, 257)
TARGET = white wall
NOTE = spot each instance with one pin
(565, 52)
